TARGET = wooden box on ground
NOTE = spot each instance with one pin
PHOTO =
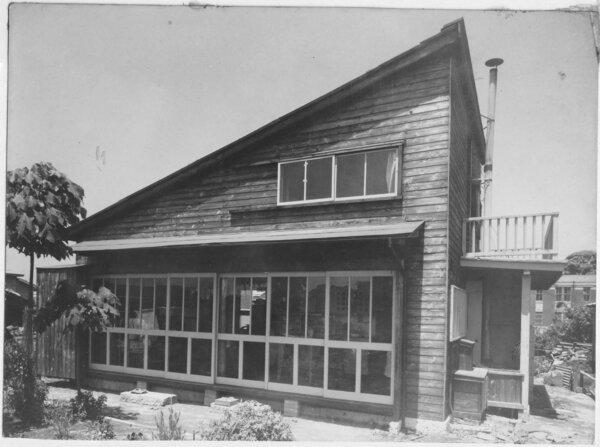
(469, 393)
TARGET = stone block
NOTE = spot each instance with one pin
(291, 408)
(149, 398)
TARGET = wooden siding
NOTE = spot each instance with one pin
(241, 194)
(55, 349)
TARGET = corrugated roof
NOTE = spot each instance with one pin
(232, 238)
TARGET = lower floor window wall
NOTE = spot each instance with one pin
(326, 334)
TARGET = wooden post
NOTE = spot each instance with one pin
(398, 332)
(524, 360)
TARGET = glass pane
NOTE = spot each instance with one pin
(316, 308)
(134, 316)
(259, 306)
(135, 351)
(360, 290)
(206, 305)
(278, 305)
(226, 306)
(176, 304)
(178, 354)
(310, 366)
(190, 312)
(381, 313)
(338, 308)
(318, 178)
(117, 349)
(254, 361)
(350, 175)
(281, 363)
(228, 359)
(121, 292)
(297, 312)
(201, 355)
(376, 372)
(381, 172)
(98, 347)
(291, 184)
(156, 352)
(148, 319)
(342, 369)
(243, 303)
(161, 303)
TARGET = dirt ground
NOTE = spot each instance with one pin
(558, 416)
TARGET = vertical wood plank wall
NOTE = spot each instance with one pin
(55, 349)
(413, 105)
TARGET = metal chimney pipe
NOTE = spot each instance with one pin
(489, 146)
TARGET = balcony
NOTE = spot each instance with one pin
(531, 236)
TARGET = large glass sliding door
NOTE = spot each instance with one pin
(319, 333)
(165, 326)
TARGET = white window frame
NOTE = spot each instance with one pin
(167, 333)
(215, 336)
(334, 167)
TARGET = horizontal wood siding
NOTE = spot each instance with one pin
(241, 194)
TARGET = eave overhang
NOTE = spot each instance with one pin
(348, 232)
(544, 272)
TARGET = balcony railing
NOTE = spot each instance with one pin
(531, 236)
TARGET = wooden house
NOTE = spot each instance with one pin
(325, 262)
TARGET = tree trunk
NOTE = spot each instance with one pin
(28, 312)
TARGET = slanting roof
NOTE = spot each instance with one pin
(577, 280)
(273, 236)
(452, 36)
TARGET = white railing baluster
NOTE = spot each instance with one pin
(518, 236)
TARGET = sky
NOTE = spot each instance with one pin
(118, 96)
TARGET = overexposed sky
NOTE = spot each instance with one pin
(155, 88)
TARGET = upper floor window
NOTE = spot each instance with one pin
(563, 294)
(539, 295)
(339, 177)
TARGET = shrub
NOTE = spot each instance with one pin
(86, 406)
(60, 417)
(133, 436)
(171, 430)
(24, 393)
(248, 421)
(101, 429)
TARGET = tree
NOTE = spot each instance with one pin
(84, 310)
(41, 202)
(581, 263)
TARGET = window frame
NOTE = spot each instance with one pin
(215, 336)
(167, 333)
(334, 172)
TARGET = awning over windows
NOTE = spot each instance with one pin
(397, 228)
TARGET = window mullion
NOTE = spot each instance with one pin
(365, 174)
(305, 181)
(306, 309)
(370, 309)
(349, 314)
(287, 308)
(334, 178)
(197, 303)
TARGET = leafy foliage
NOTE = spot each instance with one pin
(133, 436)
(581, 263)
(85, 406)
(41, 202)
(24, 393)
(84, 309)
(248, 421)
(60, 417)
(101, 429)
(578, 325)
(168, 430)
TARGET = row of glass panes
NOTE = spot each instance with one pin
(149, 352)
(359, 307)
(371, 367)
(356, 175)
(143, 302)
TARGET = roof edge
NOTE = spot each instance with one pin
(449, 34)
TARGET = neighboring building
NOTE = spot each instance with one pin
(568, 291)
(325, 262)
(16, 294)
